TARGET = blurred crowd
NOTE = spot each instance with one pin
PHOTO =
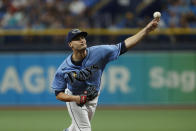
(42, 14)
(180, 13)
(109, 14)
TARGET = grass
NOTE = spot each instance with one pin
(104, 120)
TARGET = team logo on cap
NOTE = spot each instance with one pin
(75, 31)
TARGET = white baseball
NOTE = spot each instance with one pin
(157, 14)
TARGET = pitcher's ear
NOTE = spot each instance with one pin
(70, 45)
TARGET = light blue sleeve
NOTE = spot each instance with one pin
(59, 82)
(111, 52)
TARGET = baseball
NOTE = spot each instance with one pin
(157, 14)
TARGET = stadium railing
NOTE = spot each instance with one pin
(97, 31)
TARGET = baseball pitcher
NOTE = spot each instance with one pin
(77, 80)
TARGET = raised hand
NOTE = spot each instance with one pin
(152, 25)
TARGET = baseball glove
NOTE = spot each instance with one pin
(89, 94)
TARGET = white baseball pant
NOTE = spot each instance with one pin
(81, 116)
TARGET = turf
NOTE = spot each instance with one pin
(104, 120)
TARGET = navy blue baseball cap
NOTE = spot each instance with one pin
(73, 33)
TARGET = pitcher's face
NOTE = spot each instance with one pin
(78, 43)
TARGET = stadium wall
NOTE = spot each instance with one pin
(136, 78)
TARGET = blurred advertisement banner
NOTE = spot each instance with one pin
(135, 78)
